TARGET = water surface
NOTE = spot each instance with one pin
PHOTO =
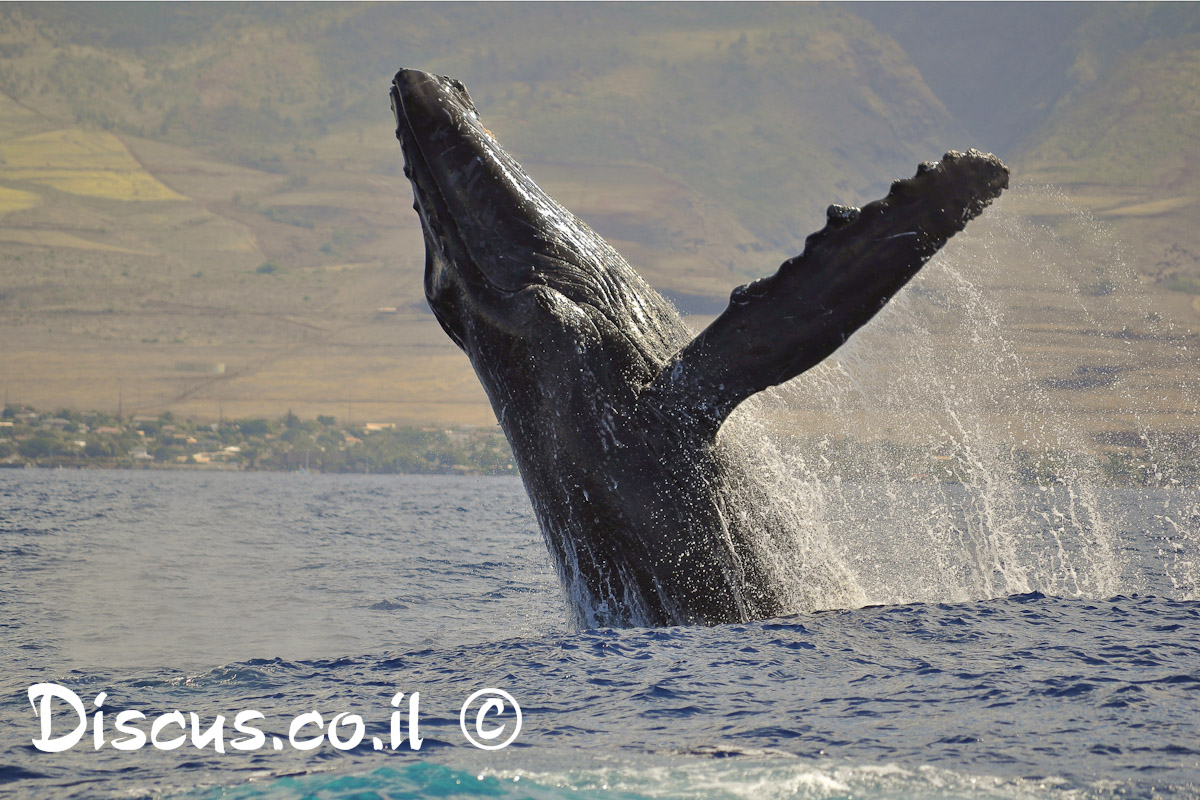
(215, 593)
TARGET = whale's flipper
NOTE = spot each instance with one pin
(777, 327)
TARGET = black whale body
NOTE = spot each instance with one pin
(614, 411)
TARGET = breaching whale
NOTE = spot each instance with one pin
(613, 409)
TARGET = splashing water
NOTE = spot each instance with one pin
(991, 430)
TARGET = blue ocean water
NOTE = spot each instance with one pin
(215, 593)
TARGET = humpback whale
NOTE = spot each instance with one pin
(615, 412)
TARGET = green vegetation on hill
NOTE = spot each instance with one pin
(72, 439)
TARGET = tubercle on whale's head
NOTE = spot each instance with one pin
(490, 231)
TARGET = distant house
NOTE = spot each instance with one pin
(228, 455)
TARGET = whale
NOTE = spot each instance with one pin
(656, 508)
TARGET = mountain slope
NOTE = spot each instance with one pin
(1124, 141)
(195, 186)
(704, 140)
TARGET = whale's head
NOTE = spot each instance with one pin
(507, 267)
(491, 233)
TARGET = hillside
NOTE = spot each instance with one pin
(1101, 100)
(202, 208)
(278, 223)
(1125, 146)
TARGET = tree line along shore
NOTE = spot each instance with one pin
(72, 439)
(65, 438)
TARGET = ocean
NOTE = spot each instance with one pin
(1060, 661)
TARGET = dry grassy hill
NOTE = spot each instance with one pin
(223, 188)
(201, 207)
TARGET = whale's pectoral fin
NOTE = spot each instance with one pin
(780, 326)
